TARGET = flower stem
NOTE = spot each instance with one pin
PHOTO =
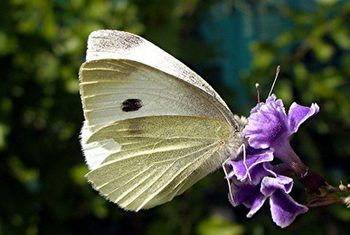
(313, 182)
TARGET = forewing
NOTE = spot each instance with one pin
(113, 44)
(108, 86)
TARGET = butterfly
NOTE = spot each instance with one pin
(152, 127)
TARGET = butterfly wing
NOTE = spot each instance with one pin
(149, 135)
(115, 44)
(112, 88)
(158, 157)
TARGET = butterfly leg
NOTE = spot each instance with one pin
(227, 178)
(245, 161)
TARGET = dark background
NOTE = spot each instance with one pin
(231, 44)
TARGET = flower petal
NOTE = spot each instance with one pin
(258, 172)
(284, 209)
(244, 194)
(267, 124)
(256, 205)
(248, 195)
(270, 184)
(242, 166)
(298, 114)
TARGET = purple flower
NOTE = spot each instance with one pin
(262, 184)
(253, 178)
(283, 208)
(248, 195)
(246, 173)
(270, 127)
(253, 167)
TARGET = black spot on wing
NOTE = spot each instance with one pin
(131, 105)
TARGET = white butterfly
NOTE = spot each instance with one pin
(153, 127)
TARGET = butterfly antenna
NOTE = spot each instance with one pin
(245, 162)
(274, 81)
(227, 178)
(257, 87)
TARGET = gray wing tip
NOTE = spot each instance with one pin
(111, 43)
(108, 33)
(114, 37)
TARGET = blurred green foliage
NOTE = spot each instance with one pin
(42, 44)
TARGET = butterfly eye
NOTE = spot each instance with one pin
(130, 105)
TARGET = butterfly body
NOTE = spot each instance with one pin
(153, 127)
